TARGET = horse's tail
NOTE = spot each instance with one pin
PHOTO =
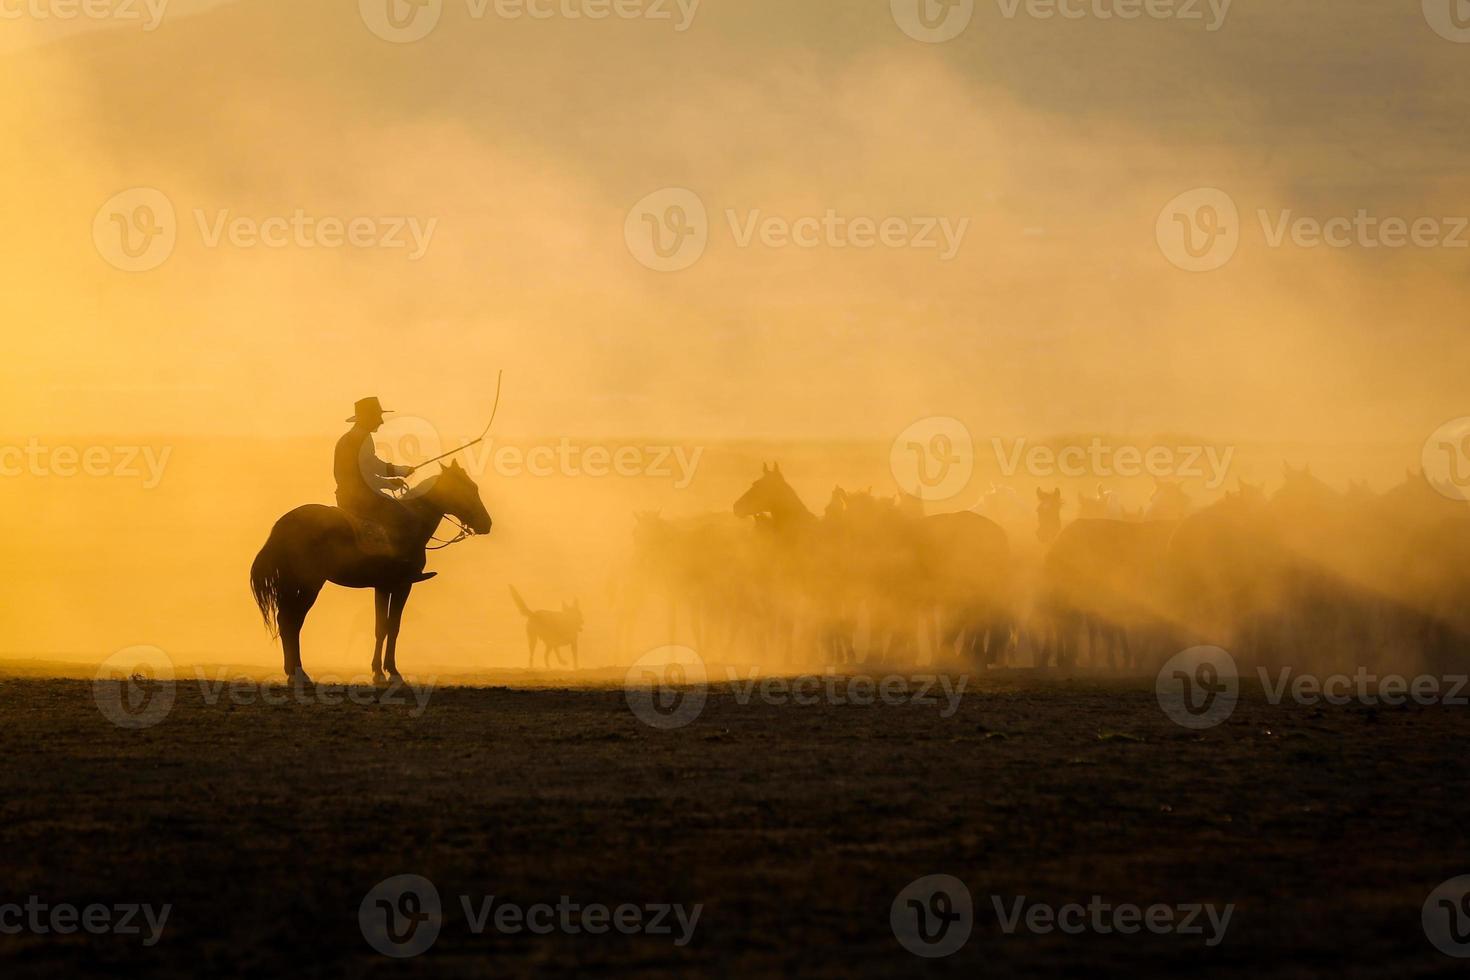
(265, 582)
(520, 603)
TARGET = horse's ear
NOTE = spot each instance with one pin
(765, 469)
(1039, 494)
(776, 468)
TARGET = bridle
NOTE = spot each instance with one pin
(464, 532)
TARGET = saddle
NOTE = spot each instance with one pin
(372, 538)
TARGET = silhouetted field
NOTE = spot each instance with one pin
(794, 826)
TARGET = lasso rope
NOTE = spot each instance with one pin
(479, 439)
(464, 532)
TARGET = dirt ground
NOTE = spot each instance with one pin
(795, 827)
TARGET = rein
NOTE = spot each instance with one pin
(464, 532)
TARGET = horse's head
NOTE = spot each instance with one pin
(1301, 493)
(836, 507)
(1169, 501)
(650, 532)
(1048, 514)
(1422, 497)
(457, 495)
(768, 495)
(1253, 494)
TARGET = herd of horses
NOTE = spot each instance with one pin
(1307, 576)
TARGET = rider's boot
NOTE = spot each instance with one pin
(414, 572)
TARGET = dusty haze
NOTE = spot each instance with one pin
(527, 142)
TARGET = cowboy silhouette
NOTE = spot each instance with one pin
(365, 482)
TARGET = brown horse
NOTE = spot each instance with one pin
(315, 544)
(868, 559)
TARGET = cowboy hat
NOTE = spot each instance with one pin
(367, 408)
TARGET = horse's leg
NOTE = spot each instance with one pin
(396, 601)
(292, 616)
(574, 654)
(380, 632)
(530, 646)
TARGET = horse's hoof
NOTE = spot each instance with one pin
(301, 680)
(380, 678)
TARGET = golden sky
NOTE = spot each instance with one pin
(527, 141)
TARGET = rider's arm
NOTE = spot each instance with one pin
(384, 474)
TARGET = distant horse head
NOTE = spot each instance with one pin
(455, 494)
(771, 496)
(1359, 492)
(1419, 498)
(1104, 505)
(652, 535)
(836, 507)
(1048, 515)
(1003, 505)
(1301, 490)
(1253, 494)
(863, 506)
(1169, 502)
